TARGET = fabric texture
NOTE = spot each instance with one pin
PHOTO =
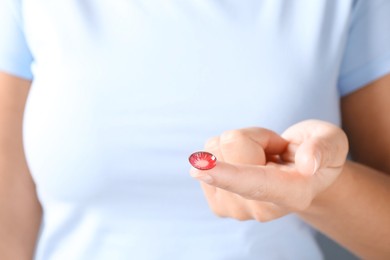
(367, 54)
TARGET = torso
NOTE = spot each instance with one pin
(123, 92)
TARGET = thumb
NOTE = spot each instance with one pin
(316, 144)
(308, 158)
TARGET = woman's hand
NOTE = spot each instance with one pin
(261, 175)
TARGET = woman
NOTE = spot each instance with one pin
(120, 92)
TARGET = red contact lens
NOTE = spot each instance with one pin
(203, 160)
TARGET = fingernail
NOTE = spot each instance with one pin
(202, 177)
(203, 160)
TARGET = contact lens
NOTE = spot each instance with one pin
(203, 160)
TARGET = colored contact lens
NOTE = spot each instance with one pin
(203, 160)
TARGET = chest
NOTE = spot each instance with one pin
(116, 82)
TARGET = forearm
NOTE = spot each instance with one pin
(20, 214)
(20, 211)
(355, 211)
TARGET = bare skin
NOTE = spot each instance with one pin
(261, 175)
(20, 211)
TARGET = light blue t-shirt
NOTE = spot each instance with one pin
(124, 91)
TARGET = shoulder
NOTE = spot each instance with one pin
(15, 56)
(367, 49)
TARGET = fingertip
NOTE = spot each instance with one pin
(306, 162)
(201, 164)
(215, 176)
(201, 176)
(317, 162)
(212, 143)
(202, 160)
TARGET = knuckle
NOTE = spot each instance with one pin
(232, 136)
(230, 208)
(219, 214)
(262, 216)
(235, 214)
(243, 218)
(212, 143)
(240, 215)
(267, 212)
(218, 211)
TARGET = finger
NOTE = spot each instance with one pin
(220, 201)
(265, 211)
(264, 183)
(237, 147)
(319, 145)
(237, 207)
(226, 204)
(212, 146)
(308, 158)
(271, 142)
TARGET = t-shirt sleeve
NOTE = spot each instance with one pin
(367, 52)
(15, 56)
